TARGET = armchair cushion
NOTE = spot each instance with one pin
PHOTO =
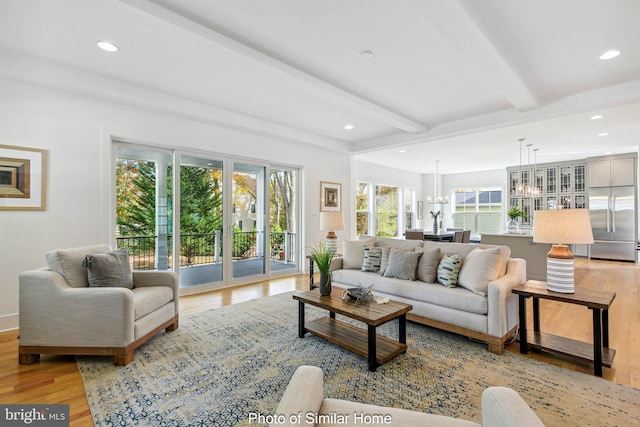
(68, 263)
(149, 299)
(109, 270)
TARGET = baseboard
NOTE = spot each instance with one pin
(9, 322)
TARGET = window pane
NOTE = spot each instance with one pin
(408, 208)
(362, 196)
(478, 210)
(362, 223)
(386, 211)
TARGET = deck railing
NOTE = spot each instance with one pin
(206, 248)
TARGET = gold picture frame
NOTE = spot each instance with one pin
(22, 178)
(330, 197)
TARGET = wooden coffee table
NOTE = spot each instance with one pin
(364, 342)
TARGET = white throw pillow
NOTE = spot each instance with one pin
(353, 253)
(372, 258)
(448, 270)
(479, 268)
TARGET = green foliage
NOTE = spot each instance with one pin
(516, 212)
(136, 192)
(322, 256)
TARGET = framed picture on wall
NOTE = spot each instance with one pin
(22, 178)
(330, 197)
(420, 208)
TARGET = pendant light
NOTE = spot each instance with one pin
(438, 200)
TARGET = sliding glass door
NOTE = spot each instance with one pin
(143, 207)
(233, 221)
(201, 221)
(248, 231)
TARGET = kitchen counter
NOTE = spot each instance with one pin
(523, 246)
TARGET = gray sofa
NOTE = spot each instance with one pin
(485, 309)
(61, 314)
(303, 403)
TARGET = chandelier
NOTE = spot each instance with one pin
(529, 187)
(438, 200)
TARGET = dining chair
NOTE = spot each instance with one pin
(457, 236)
(414, 235)
(466, 236)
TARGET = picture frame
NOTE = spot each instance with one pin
(330, 197)
(420, 209)
(22, 178)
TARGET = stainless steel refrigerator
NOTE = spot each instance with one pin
(613, 219)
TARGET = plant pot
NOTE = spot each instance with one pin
(325, 284)
(513, 226)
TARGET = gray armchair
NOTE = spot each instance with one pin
(61, 314)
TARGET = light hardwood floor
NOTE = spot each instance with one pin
(55, 379)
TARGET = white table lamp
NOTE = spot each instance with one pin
(331, 221)
(561, 227)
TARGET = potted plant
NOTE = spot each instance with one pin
(514, 213)
(323, 256)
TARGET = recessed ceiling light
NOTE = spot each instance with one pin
(596, 117)
(366, 54)
(109, 47)
(603, 134)
(348, 126)
(610, 54)
(402, 151)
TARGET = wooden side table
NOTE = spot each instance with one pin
(598, 302)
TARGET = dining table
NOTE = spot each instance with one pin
(439, 236)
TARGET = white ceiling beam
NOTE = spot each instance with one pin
(585, 102)
(314, 84)
(457, 28)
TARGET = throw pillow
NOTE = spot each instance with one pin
(402, 264)
(384, 259)
(448, 270)
(353, 253)
(372, 257)
(109, 270)
(428, 265)
(480, 267)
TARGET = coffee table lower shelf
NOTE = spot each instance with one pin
(568, 347)
(354, 339)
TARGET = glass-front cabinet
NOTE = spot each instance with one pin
(547, 186)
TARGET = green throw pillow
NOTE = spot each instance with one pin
(448, 270)
(372, 258)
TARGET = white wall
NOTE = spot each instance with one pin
(77, 133)
(367, 172)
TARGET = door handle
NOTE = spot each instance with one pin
(613, 213)
(608, 214)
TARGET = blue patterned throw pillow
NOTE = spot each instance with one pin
(448, 270)
(372, 258)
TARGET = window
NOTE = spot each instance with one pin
(383, 210)
(386, 211)
(478, 210)
(362, 208)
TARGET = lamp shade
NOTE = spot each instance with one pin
(564, 226)
(331, 221)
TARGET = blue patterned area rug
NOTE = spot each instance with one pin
(223, 365)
